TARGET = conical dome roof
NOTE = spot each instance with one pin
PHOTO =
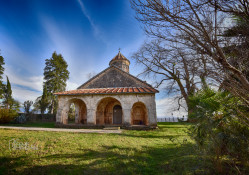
(119, 56)
(121, 62)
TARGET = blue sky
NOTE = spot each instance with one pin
(88, 33)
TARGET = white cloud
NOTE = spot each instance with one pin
(71, 85)
(33, 82)
(22, 94)
(166, 106)
(24, 88)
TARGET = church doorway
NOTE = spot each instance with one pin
(106, 109)
(117, 114)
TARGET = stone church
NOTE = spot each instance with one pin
(112, 97)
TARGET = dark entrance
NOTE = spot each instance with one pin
(117, 114)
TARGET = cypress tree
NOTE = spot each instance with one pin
(1, 76)
(8, 100)
(44, 102)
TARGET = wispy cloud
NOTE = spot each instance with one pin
(70, 48)
(32, 82)
(96, 30)
(23, 87)
(21, 94)
(83, 9)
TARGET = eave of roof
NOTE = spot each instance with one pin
(120, 90)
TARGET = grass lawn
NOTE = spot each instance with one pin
(168, 150)
(38, 124)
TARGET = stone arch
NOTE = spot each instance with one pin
(80, 111)
(104, 112)
(139, 114)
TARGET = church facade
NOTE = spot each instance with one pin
(112, 97)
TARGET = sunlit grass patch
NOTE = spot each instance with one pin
(168, 150)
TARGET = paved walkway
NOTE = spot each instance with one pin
(62, 129)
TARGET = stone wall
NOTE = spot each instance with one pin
(40, 117)
(92, 101)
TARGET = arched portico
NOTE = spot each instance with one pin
(139, 114)
(109, 111)
(80, 111)
(100, 109)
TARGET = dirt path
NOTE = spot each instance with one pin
(62, 129)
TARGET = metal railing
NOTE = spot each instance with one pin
(171, 119)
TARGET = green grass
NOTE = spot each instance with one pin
(38, 124)
(168, 150)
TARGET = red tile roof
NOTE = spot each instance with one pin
(126, 90)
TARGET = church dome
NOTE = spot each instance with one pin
(121, 62)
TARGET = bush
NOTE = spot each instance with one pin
(221, 130)
(7, 115)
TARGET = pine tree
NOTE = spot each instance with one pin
(1, 76)
(55, 76)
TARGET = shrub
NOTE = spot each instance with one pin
(7, 115)
(221, 130)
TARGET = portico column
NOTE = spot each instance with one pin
(127, 116)
(77, 108)
(151, 110)
(91, 116)
(64, 115)
(58, 116)
(60, 112)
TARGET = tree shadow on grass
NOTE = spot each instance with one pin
(117, 160)
(8, 165)
(153, 136)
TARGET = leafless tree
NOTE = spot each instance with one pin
(199, 26)
(90, 75)
(179, 68)
(27, 106)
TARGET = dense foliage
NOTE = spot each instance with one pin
(7, 115)
(221, 130)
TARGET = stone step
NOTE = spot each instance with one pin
(112, 128)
